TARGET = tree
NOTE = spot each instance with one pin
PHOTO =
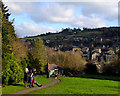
(12, 72)
(69, 61)
(40, 55)
(31, 63)
(11, 56)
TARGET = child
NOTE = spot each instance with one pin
(31, 80)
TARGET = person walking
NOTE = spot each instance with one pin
(31, 80)
(26, 78)
(48, 74)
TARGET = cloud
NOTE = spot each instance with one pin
(108, 11)
(27, 29)
(92, 14)
(14, 8)
(65, 13)
(91, 22)
(21, 7)
(59, 12)
(54, 13)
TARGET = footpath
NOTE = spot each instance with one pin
(20, 93)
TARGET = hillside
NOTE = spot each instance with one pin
(86, 32)
(109, 36)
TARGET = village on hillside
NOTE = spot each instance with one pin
(96, 49)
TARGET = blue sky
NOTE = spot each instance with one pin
(34, 18)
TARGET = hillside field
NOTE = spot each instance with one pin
(74, 85)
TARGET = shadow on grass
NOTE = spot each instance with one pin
(18, 84)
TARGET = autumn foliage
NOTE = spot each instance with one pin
(71, 62)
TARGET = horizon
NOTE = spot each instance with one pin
(71, 29)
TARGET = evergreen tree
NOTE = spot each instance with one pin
(40, 55)
(30, 61)
(12, 72)
(11, 65)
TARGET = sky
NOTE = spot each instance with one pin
(35, 18)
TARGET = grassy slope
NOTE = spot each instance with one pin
(20, 86)
(86, 34)
(71, 85)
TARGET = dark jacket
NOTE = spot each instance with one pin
(26, 78)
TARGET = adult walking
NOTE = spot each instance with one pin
(26, 78)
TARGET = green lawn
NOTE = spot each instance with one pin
(20, 86)
(74, 85)
(103, 77)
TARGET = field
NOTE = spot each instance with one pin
(20, 86)
(73, 85)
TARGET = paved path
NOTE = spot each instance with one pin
(53, 82)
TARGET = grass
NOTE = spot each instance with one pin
(74, 85)
(42, 79)
(20, 86)
(103, 77)
(13, 88)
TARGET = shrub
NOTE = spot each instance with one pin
(72, 62)
(113, 67)
(12, 72)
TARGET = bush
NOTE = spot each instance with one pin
(12, 72)
(113, 68)
(67, 60)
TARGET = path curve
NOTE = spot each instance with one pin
(19, 93)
